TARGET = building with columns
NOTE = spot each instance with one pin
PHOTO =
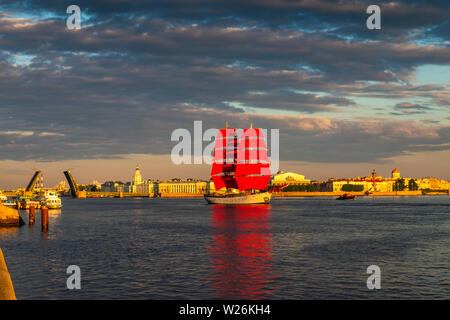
(288, 178)
(178, 186)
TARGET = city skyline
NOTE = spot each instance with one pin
(109, 172)
(101, 99)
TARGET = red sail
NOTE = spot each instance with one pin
(224, 161)
(253, 167)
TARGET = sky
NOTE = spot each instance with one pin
(104, 98)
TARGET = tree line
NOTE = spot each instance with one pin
(400, 185)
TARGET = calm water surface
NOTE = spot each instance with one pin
(302, 248)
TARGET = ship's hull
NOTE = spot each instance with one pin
(257, 198)
(54, 206)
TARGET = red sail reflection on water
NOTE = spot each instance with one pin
(241, 252)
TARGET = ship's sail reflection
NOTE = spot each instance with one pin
(241, 252)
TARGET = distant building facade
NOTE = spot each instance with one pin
(132, 187)
(380, 184)
(112, 186)
(147, 186)
(288, 178)
(177, 186)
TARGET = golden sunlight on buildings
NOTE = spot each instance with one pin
(288, 178)
(375, 183)
(291, 182)
(172, 187)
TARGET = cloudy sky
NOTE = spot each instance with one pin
(101, 99)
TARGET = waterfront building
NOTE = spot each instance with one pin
(395, 174)
(289, 178)
(147, 186)
(428, 183)
(384, 184)
(96, 184)
(178, 186)
(373, 183)
(132, 186)
(337, 185)
(112, 186)
(431, 183)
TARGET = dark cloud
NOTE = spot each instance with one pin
(404, 13)
(410, 106)
(409, 109)
(429, 121)
(138, 70)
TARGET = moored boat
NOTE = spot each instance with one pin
(241, 168)
(9, 203)
(51, 200)
(346, 196)
(25, 202)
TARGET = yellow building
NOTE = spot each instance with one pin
(289, 178)
(137, 180)
(387, 184)
(146, 187)
(337, 185)
(112, 186)
(395, 174)
(372, 183)
(433, 184)
(182, 186)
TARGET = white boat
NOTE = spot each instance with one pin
(51, 200)
(9, 204)
(4, 200)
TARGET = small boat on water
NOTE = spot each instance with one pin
(7, 202)
(4, 200)
(51, 200)
(346, 196)
(10, 204)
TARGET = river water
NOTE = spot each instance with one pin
(304, 248)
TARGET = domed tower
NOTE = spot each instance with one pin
(137, 176)
(395, 174)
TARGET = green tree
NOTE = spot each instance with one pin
(347, 187)
(399, 185)
(412, 185)
(352, 187)
(299, 188)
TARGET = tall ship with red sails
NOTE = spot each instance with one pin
(241, 168)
